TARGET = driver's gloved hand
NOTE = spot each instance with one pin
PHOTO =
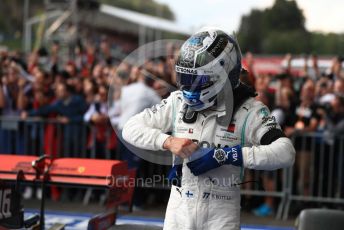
(206, 159)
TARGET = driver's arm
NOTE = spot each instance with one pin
(270, 148)
(147, 130)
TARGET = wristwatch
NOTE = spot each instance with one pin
(220, 156)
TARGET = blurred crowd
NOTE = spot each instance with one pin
(64, 109)
(72, 93)
(309, 106)
(309, 101)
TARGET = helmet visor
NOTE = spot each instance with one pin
(193, 83)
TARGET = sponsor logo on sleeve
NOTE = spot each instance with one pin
(264, 112)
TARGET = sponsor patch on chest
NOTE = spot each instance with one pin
(227, 136)
(208, 195)
(182, 130)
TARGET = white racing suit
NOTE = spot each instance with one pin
(211, 200)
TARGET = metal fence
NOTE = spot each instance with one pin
(267, 184)
(36, 136)
(315, 177)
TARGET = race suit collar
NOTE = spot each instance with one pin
(240, 95)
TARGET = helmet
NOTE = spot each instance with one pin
(205, 61)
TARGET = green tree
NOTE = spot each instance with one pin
(327, 43)
(251, 31)
(278, 29)
(284, 15)
(290, 41)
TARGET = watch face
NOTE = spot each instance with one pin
(220, 156)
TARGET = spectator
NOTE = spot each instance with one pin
(134, 98)
(312, 71)
(306, 120)
(264, 90)
(284, 104)
(89, 90)
(336, 68)
(70, 109)
(139, 95)
(339, 87)
(97, 115)
(250, 70)
(335, 119)
(323, 91)
(11, 139)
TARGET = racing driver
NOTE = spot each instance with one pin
(214, 127)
